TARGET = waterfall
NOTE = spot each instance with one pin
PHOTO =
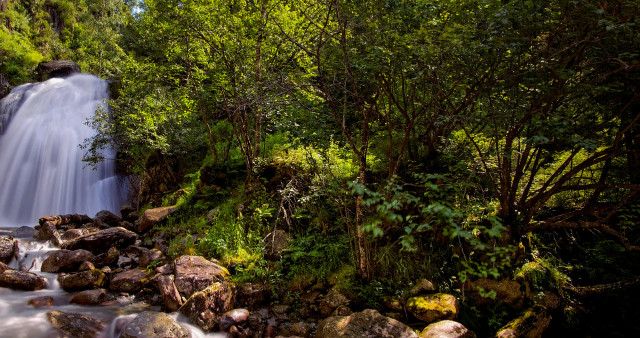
(41, 168)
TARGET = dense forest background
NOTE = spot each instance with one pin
(388, 141)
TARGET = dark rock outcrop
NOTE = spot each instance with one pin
(368, 323)
(21, 280)
(63, 68)
(106, 219)
(74, 324)
(154, 324)
(194, 273)
(101, 241)
(205, 307)
(129, 213)
(65, 260)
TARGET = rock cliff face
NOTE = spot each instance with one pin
(5, 86)
(63, 68)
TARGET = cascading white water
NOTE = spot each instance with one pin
(41, 168)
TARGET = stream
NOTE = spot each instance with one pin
(20, 319)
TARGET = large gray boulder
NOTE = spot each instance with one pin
(74, 324)
(154, 324)
(66, 260)
(101, 241)
(194, 273)
(21, 280)
(446, 329)
(62, 68)
(205, 307)
(368, 323)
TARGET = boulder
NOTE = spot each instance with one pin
(99, 242)
(128, 281)
(194, 273)
(107, 258)
(129, 213)
(62, 68)
(48, 232)
(301, 329)
(276, 242)
(531, 324)
(422, 286)
(507, 291)
(86, 266)
(368, 323)
(148, 256)
(431, 308)
(446, 329)
(392, 303)
(205, 307)
(74, 324)
(151, 217)
(154, 324)
(8, 247)
(90, 279)
(170, 295)
(250, 295)
(21, 280)
(24, 232)
(106, 219)
(90, 297)
(235, 317)
(59, 220)
(43, 301)
(74, 233)
(332, 301)
(65, 260)
(4, 267)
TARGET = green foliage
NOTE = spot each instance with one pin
(315, 255)
(18, 57)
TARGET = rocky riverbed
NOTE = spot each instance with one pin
(109, 276)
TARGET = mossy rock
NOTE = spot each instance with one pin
(434, 307)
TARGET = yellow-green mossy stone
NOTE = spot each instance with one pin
(434, 307)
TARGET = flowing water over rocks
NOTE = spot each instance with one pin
(25, 313)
